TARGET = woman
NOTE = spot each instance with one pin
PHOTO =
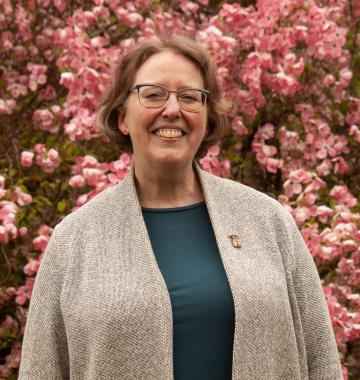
(175, 273)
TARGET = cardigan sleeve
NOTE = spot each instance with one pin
(44, 353)
(321, 349)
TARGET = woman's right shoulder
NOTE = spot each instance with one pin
(97, 211)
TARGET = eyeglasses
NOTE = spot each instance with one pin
(155, 96)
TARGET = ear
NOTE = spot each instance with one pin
(122, 123)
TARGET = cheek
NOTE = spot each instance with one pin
(203, 122)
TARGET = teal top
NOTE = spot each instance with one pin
(184, 244)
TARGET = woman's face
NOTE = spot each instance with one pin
(174, 72)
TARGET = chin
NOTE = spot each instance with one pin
(171, 160)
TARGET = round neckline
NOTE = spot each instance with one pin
(167, 209)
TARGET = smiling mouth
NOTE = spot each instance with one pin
(169, 134)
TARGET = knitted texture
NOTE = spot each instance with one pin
(100, 308)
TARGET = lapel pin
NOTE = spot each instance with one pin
(235, 240)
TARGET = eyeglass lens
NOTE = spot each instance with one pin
(154, 97)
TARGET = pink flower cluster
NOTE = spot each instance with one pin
(40, 242)
(88, 171)
(325, 39)
(47, 119)
(321, 149)
(265, 153)
(49, 160)
(9, 208)
(354, 131)
(82, 126)
(212, 164)
(342, 195)
(37, 75)
(7, 106)
(346, 324)
(127, 12)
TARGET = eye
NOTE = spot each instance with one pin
(190, 97)
(152, 93)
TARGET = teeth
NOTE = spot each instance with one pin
(168, 133)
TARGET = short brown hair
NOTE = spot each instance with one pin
(114, 100)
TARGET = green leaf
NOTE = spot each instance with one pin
(344, 107)
(62, 205)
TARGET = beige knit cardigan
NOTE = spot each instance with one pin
(100, 308)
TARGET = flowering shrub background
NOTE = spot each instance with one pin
(291, 68)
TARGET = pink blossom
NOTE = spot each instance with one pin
(120, 168)
(273, 165)
(92, 176)
(26, 159)
(324, 213)
(284, 84)
(329, 80)
(40, 242)
(39, 148)
(291, 188)
(342, 195)
(81, 200)
(324, 168)
(266, 132)
(133, 19)
(37, 75)
(44, 229)
(315, 184)
(301, 176)
(17, 89)
(301, 214)
(355, 132)
(60, 5)
(67, 79)
(22, 198)
(212, 164)
(330, 237)
(48, 93)
(48, 160)
(77, 181)
(23, 231)
(345, 77)
(188, 6)
(7, 106)
(98, 41)
(32, 267)
(239, 127)
(44, 119)
(84, 162)
(340, 166)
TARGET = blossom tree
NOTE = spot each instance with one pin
(291, 70)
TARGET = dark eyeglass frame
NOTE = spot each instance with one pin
(205, 92)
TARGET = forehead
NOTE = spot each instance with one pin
(171, 70)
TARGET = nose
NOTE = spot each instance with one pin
(172, 107)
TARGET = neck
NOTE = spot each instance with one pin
(167, 186)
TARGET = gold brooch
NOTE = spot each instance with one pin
(235, 240)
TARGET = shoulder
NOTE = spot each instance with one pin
(95, 213)
(251, 206)
(243, 195)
